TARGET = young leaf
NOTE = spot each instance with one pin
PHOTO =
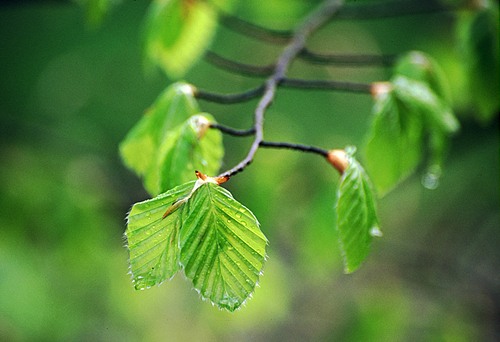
(177, 33)
(357, 220)
(222, 247)
(405, 112)
(173, 107)
(192, 146)
(439, 120)
(422, 99)
(418, 66)
(394, 146)
(153, 240)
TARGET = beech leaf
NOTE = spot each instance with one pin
(418, 66)
(222, 247)
(394, 146)
(357, 220)
(177, 33)
(152, 240)
(198, 227)
(406, 112)
(192, 146)
(139, 149)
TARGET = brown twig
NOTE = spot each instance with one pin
(297, 43)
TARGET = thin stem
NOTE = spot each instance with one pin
(236, 67)
(347, 60)
(395, 8)
(229, 98)
(233, 131)
(312, 23)
(350, 87)
(388, 9)
(255, 31)
(296, 147)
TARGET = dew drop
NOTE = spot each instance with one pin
(431, 179)
(375, 231)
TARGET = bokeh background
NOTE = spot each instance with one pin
(69, 92)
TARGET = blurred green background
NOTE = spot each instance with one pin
(69, 94)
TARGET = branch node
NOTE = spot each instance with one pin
(339, 160)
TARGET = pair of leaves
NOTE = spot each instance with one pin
(170, 142)
(357, 221)
(177, 32)
(207, 233)
(411, 108)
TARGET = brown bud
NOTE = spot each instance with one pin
(221, 180)
(338, 159)
(200, 175)
(380, 88)
(205, 178)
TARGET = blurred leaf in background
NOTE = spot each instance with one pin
(70, 95)
(479, 37)
(177, 33)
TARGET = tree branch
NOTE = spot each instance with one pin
(232, 131)
(347, 60)
(296, 147)
(395, 8)
(392, 9)
(236, 67)
(229, 98)
(350, 87)
(313, 22)
(255, 31)
(306, 55)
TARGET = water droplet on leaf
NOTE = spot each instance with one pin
(375, 231)
(431, 179)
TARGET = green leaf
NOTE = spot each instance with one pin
(439, 120)
(153, 240)
(177, 33)
(422, 99)
(201, 228)
(418, 66)
(406, 112)
(173, 107)
(192, 146)
(222, 247)
(480, 40)
(394, 146)
(357, 219)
